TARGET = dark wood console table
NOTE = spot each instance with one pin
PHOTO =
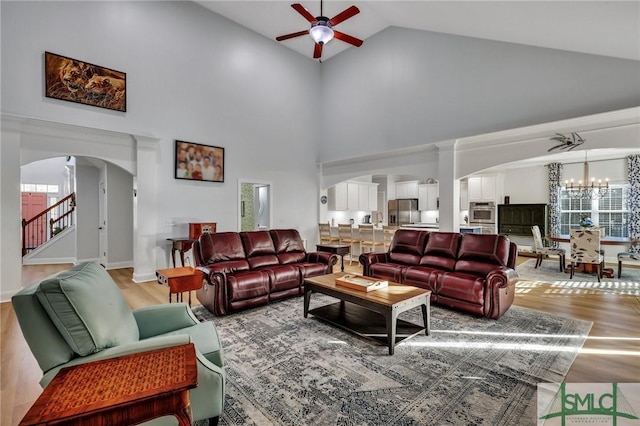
(181, 245)
(339, 249)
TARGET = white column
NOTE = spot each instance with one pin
(145, 206)
(449, 187)
(10, 220)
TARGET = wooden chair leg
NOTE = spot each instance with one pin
(619, 268)
(561, 261)
(571, 274)
(599, 271)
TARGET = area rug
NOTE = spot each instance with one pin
(283, 369)
(582, 283)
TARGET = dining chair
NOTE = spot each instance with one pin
(628, 257)
(388, 232)
(368, 238)
(345, 232)
(541, 251)
(325, 234)
(585, 249)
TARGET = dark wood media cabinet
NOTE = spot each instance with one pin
(517, 219)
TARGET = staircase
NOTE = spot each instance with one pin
(47, 224)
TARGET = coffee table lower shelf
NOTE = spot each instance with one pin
(364, 322)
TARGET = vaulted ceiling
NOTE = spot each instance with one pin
(609, 28)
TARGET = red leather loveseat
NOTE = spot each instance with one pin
(474, 273)
(248, 269)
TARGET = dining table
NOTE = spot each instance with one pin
(605, 241)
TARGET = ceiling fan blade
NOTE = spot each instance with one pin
(304, 12)
(345, 14)
(292, 35)
(317, 51)
(347, 38)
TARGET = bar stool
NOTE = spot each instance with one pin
(345, 232)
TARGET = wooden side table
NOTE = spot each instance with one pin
(339, 249)
(125, 390)
(180, 280)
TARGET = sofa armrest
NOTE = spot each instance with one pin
(368, 259)
(160, 319)
(500, 291)
(325, 258)
(216, 282)
(126, 349)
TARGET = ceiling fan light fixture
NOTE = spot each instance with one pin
(321, 32)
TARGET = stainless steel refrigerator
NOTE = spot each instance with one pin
(403, 212)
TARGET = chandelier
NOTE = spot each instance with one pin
(585, 189)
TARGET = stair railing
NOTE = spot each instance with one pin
(45, 225)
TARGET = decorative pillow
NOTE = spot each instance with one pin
(88, 309)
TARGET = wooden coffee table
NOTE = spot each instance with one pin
(374, 314)
(127, 390)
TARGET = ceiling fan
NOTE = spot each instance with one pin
(321, 30)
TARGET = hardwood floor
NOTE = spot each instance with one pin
(610, 354)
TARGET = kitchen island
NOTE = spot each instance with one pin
(434, 227)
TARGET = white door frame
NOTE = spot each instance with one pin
(242, 181)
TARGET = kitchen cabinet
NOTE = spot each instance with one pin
(407, 189)
(464, 195)
(482, 188)
(373, 197)
(354, 196)
(428, 197)
(517, 219)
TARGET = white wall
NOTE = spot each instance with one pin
(87, 214)
(119, 217)
(406, 88)
(195, 76)
(191, 75)
(527, 185)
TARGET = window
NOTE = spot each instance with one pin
(610, 212)
(39, 187)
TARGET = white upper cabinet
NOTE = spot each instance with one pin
(355, 196)
(483, 188)
(428, 197)
(407, 189)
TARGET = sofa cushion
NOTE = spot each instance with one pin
(407, 246)
(441, 250)
(88, 309)
(283, 277)
(389, 271)
(480, 254)
(423, 277)
(289, 246)
(462, 286)
(220, 247)
(247, 285)
(259, 249)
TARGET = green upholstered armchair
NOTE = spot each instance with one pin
(80, 315)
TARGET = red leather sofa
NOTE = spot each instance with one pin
(248, 269)
(474, 273)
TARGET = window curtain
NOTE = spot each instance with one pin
(555, 177)
(633, 165)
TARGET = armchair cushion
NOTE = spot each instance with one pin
(88, 309)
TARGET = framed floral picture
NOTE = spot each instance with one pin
(194, 161)
(81, 82)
